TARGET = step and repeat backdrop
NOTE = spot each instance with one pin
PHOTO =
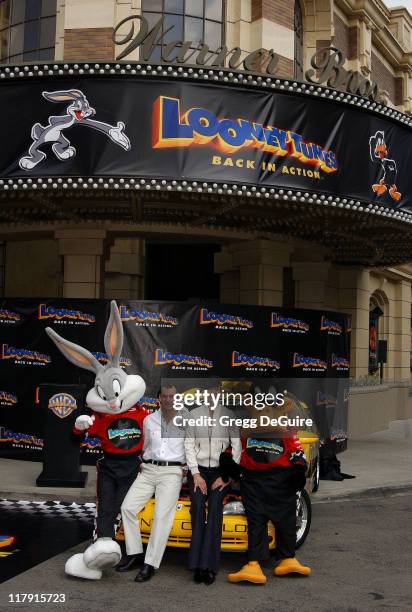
(304, 352)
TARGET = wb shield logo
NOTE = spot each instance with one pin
(62, 404)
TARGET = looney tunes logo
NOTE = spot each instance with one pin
(7, 399)
(310, 364)
(287, 324)
(24, 356)
(223, 321)
(64, 314)
(147, 318)
(181, 361)
(254, 362)
(199, 126)
(7, 316)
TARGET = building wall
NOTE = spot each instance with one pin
(345, 37)
(94, 43)
(34, 270)
(384, 77)
(375, 40)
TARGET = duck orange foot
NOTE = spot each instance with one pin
(251, 572)
(394, 193)
(291, 566)
(380, 187)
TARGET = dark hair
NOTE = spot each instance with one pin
(165, 385)
(212, 383)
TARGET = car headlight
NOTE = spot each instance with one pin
(235, 507)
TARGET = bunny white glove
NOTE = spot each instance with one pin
(119, 137)
(84, 421)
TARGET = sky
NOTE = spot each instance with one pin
(406, 3)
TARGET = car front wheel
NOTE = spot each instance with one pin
(303, 516)
(316, 476)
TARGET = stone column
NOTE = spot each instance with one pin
(354, 298)
(317, 27)
(124, 271)
(311, 279)
(88, 30)
(82, 252)
(406, 104)
(238, 17)
(365, 46)
(32, 268)
(252, 272)
(272, 27)
(401, 331)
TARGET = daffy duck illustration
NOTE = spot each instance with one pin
(389, 172)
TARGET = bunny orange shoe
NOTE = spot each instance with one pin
(251, 572)
(291, 566)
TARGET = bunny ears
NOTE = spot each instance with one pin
(81, 357)
(113, 337)
(63, 96)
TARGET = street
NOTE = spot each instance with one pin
(359, 551)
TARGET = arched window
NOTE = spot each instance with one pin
(27, 30)
(298, 26)
(196, 20)
(378, 326)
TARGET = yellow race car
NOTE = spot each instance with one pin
(234, 528)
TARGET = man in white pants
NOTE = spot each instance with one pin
(161, 475)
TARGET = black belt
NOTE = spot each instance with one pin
(163, 463)
(134, 456)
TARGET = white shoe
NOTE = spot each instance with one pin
(103, 553)
(75, 566)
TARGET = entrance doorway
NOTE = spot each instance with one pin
(181, 272)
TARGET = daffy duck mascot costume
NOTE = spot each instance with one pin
(388, 171)
(271, 470)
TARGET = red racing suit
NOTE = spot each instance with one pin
(121, 437)
(273, 471)
(119, 434)
(266, 453)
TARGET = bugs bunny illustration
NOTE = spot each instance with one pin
(118, 421)
(78, 113)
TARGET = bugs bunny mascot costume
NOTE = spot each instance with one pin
(118, 421)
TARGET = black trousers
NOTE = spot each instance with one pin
(115, 475)
(204, 550)
(269, 495)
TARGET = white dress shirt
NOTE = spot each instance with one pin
(163, 441)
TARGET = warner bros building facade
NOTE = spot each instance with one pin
(186, 245)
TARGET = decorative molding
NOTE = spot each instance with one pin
(223, 76)
(127, 184)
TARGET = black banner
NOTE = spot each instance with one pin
(305, 351)
(163, 128)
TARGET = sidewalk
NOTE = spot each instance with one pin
(381, 462)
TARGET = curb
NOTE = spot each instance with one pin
(383, 491)
(51, 496)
